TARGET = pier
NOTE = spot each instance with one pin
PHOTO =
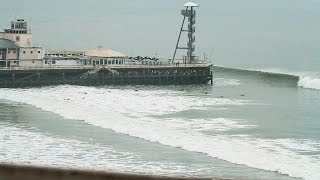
(24, 65)
(21, 77)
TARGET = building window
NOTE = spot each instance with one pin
(39, 52)
(53, 62)
(14, 52)
(31, 52)
(8, 52)
(18, 38)
(24, 52)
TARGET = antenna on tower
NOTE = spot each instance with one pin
(30, 26)
(189, 13)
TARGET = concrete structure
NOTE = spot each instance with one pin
(16, 47)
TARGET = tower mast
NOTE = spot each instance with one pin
(189, 13)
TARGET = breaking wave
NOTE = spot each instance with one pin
(310, 80)
(135, 113)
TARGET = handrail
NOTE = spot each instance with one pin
(111, 66)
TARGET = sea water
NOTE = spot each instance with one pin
(247, 125)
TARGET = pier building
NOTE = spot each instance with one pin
(23, 65)
(16, 47)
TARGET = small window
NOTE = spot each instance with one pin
(24, 52)
(18, 38)
(14, 52)
(31, 52)
(53, 62)
(32, 61)
(38, 52)
(8, 52)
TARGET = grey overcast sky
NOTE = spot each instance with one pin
(236, 33)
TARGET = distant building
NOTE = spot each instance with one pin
(91, 57)
(16, 47)
(16, 50)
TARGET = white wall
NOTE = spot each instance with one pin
(67, 63)
(13, 54)
(23, 40)
(31, 53)
(31, 63)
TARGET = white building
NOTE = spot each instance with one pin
(16, 50)
(16, 47)
(91, 57)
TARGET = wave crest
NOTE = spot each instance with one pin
(309, 80)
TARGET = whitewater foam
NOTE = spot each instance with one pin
(226, 82)
(309, 80)
(57, 152)
(114, 109)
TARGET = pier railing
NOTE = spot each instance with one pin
(45, 67)
(124, 66)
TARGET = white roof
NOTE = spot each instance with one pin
(191, 4)
(102, 52)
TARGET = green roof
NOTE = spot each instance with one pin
(5, 43)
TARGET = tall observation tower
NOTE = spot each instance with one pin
(189, 13)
